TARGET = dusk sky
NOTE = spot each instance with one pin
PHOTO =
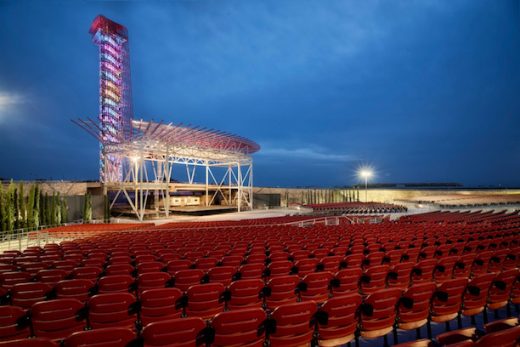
(423, 91)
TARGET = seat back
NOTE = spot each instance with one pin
(56, 319)
(112, 310)
(294, 324)
(205, 300)
(186, 278)
(14, 323)
(342, 319)
(26, 294)
(115, 284)
(160, 304)
(74, 289)
(106, 337)
(182, 332)
(151, 280)
(240, 328)
(245, 293)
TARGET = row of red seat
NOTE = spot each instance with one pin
(336, 321)
(504, 333)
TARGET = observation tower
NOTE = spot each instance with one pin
(139, 158)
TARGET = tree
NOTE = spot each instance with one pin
(22, 215)
(45, 210)
(57, 209)
(2, 208)
(36, 211)
(87, 208)
(64, 210)
(11, 210)
(30, 207)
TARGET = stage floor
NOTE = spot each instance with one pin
(202, 210)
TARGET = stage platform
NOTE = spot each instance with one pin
(201, 210)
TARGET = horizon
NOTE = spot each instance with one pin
(422, 92)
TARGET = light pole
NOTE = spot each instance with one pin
(366, 173)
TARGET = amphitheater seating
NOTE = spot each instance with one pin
(431, 270)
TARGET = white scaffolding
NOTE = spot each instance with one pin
(156, 151)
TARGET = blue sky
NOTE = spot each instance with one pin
(424, 91)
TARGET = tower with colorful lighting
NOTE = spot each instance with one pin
(115, 99)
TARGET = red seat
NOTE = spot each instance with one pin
(374, 278)
(205, 300)
(414, 313)
(281, 290)
(153, 266)
(462, 268)
(293, 324)
(119, 269)
(447, 300)
(245, 293)
(221, 274)
(306, 266)
(51, 276)
(316, 286)
(34, 342)
(346, 281)
(504, 338)
(160, 304)
(333, 263)
(400, 275)
(151, 280)
(183, 279)
(14, 323)
(500, 289)
(182, 332)
(342, 319)
(475, 297)
(105, 337)
(423, 271)
(112, 310)
(240, 328)
(205, 263)
(444, 269)
(115, 284)
(74, 289)
(279, 268)
(251, 271)
(26, 294)
(56, 319)
(378, 313)
(8, 279)
(178, 264)
(87, 273)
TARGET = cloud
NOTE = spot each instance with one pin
(312, 153)
(8, 103)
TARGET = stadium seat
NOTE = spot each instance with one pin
(447, 300)
(281, 290)
(251, 271)
(306, 266)
(115, 284)
(151, 280)
(183, 279)
(26, 294)
(178, 264)
(104, 337)
(33, 342)
(112, 310)
(414, 309)
(339, 324)
(245, 293)
(378, 313)
(399, 275)
(444, 269)
(14, 323)
(56, 319)
(205, 300)
(240, 328)
(51, 276)
(294, 324)
(315, 286)
(119, 269)
(279, 268)
(74, 289)
(423, 271)
(182, 332)
(475, 296)
(346, 281)
(160, 304)
(86, 273)
(221, 274)
(374, 278)
(8, 279)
